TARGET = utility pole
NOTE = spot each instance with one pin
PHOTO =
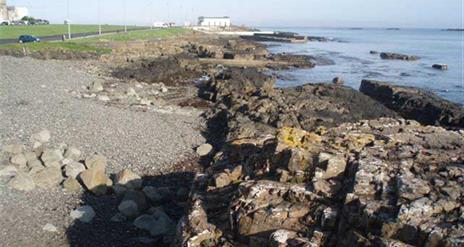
(69, 20)
(125, 17)
(99, 18)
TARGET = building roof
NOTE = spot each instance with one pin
(214, 17)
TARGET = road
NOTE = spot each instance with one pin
(73, 35)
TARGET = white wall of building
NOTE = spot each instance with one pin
(214, 21)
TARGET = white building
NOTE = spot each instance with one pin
(214, 21)
(16, 13)
(11, 13)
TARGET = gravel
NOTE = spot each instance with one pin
(33, 97)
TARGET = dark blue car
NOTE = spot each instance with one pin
(27, 39)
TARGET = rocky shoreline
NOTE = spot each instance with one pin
(313, 165)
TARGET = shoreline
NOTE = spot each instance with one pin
(291, 163)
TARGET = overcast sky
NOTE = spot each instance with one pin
(317, 13)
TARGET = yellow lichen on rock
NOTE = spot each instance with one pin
(288, 137)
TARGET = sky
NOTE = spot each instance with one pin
(257, 13)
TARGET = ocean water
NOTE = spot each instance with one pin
(350, 52)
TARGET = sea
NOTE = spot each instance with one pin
(347, 55)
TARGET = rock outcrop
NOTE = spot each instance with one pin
(299, 167)
(396, 56)
(412, 103)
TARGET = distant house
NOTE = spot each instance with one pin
(214, 21)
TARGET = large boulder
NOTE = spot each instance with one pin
(413, 103)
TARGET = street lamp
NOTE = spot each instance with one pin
(68, 20)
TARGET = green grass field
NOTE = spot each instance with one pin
(96, 43)
(134, 35)
(13, 32)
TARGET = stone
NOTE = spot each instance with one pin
(71, 185)
(8, 171)
(163, 224)
(396, 56)
(84, 214)
(164, 89)
(49, 228)
(119, 217)
(96, 161)
(103, 98)
(440, 66)
(411, 103)
(94, 180)
(335, 165)
(153, 194)
(13, 148)
(128, 179)
(337, 81)
(19, 160)
(22, 182)
(221, 180)
(51, 155)
(204, 149)
(96, 87)
(55, 164)
(48, 177)
(131, 92)
(42, 136)
(72, 153)
(73, 169)
(145, 222)
(129, 208)
(30, 156)
(138, 197)
(145, 101)
(279, 238)
(35, 166)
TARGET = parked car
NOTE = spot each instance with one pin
(28, 39)
(4, 23)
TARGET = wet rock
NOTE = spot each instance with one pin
(412, 103)
(84, 214)
(23, 182)
(128, 179)
(396, 56)
(440, 66)
(337, 81)
(204, 149)
(374, 52)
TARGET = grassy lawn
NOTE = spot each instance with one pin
(134, 35)
(13, 32)
(96, 44)
(32, 47)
